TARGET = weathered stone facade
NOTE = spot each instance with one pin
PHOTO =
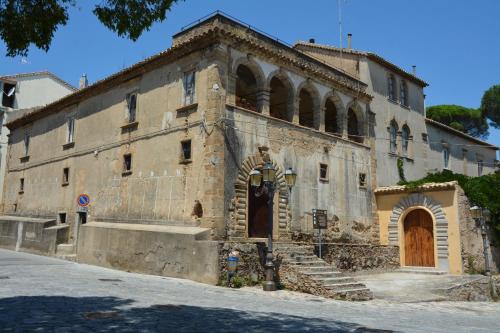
(418, 142)
(361, 257)
(171, 141)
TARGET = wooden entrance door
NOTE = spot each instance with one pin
(419, 239)
(257, 212)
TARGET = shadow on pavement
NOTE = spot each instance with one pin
(110, 314)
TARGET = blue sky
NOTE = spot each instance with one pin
(455, 44)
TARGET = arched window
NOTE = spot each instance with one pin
(306, 109)
(403, 93)
(246, 88)
(393, 137)
(353, 131)
(391, 87)
(279, 99)
(405, 136)
(331, 117)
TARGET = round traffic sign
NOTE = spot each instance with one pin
(83, 200)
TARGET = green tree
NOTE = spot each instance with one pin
(490, 105)
(467, 120)
(26, 22)
(483, 191)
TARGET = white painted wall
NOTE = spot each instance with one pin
(31, 91)
(37, 91)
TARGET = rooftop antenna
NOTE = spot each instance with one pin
(339, 6)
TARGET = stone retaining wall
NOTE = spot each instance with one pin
(250, 265)
(480, 290)
(360, 257)
(350, 256)
(292, 279)
(472, 241)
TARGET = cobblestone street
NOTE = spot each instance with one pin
(39, 294)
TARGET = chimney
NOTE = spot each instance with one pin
(84, 83)
(312, 40)
(349, 41)
(414, 70)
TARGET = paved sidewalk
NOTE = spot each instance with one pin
(413, 287)
(39, 294)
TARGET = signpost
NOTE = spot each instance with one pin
(320, 221)
(83, 202)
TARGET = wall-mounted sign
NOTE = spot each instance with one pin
(81, 209)
(319, 218)
(83, 200)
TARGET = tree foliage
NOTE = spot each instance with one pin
(490, 105)
(483, 191)
(467, 120)
(26, 22)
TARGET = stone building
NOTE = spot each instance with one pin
(21, 92)
(401, 129)
(164, 150)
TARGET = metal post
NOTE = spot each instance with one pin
(482, 223)
(320, 243)
(269, 284)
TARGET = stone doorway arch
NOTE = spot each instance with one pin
(412, 202)
(238, 226)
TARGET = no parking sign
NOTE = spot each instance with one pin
(83, 202)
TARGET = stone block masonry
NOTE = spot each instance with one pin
(250, 263)
(361, 257)
(182, 252)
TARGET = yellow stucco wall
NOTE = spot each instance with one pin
(448, 201)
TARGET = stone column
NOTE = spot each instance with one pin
(213, 172)
(399, 143)
(321, 125)
(343, 127)
(231, 88)
(263, 101)
(295, 115)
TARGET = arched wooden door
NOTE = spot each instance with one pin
(257, 212)
(419, 239)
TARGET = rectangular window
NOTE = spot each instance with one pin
(403, 93)
(391, 87)
(62, 217)
(189, 87)
(26, 143)
(8, 95)
(479, 168)
(323, 172)
(82, 217)
(65, 177)
(362, 180)
(131, 107)
(21, 185)
(446, 158)
(127, 163)
(186, 151)
(70, 130)
(424, 137)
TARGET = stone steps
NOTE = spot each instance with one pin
(314, 275)
(314, 269)
(65, 249)
(421, 270)
(324, 274)
(333, 279)
(344, 286)
(68, 257)
(303, 263)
